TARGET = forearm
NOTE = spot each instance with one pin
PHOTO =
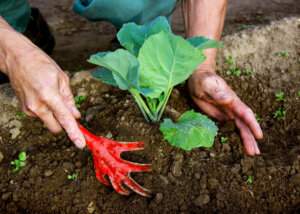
(205, 18)
(12, 45)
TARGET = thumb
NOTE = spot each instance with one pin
(221, 97)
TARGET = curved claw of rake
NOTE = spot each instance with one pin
(107, 161)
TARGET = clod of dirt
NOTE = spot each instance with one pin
(295, 180)
(15, 132)
(177, 165)
(213, 183)
(48, 173)
(201, 200)
(68, 166)
(1, 157)
(6, 196)
(158, 197)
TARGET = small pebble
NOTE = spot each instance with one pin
(48, 173)
(91, 208)
(201, 200)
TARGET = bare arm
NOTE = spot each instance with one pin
(208, 90)
(205, 18)
(41, 86)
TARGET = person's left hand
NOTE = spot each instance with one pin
(212, 95)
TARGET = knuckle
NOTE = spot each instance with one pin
(31, 106)
(246, 112)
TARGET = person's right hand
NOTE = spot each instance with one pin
(42, 87)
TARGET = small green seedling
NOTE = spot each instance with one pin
(234, 71)
(21, 114)
(283, 53)
(243, 27)
(19, 162)
(280, 97)
(258, 17)
(228, 60)
(224, 139)
(258, 118)
(299, 93)
(228, 72)
(79, 99)
(250, 179)
(280, 114)
(73, 176)
(247, 72)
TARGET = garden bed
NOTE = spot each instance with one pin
(202, 180)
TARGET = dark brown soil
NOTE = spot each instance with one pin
(206, 180)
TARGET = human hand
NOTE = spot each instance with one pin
(211, 93)
(42, 88)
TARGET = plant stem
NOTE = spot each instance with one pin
(146, 112)
(160, 109)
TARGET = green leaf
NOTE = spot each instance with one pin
(76, 99)
(165, 61)
(105, 75)
(133, 36)
(124, 67)
(191, 131)
(15, 169)
(17, 162)
(22, 164)
(82, 98)
(22, 156)
(202, 43)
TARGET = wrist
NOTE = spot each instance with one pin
(13, 46)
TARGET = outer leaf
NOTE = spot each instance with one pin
(22, 156)
(202, 43)
(17, 162)
(132, 36)
(15, 169)
(124, 67)
(192, 130)
(105, 75)
(22, 164)
(165, 61)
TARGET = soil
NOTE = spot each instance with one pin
(204, 180)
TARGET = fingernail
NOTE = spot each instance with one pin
(79, 144)
(225, 96)
(252, 148)
(75, 111)
(257, 150)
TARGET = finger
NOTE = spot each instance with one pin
(249, 142)
(67, 121)
(48, 119)
(247, 115)
(218, 91)
(68, 98)
(210, 109)
(136, 187)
